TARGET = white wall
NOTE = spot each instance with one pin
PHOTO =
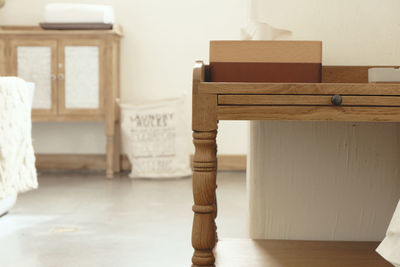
(162, 40)
(329, 181)
(355, 32)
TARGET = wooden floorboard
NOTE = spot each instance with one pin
(282, 253)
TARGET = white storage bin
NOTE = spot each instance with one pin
(157, 138)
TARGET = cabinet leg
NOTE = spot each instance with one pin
(117, 148)
(204, 186)
(110, 156)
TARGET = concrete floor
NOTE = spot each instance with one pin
(85, 220)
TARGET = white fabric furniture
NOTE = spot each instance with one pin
(17, 160)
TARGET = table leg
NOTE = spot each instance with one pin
(204, 186)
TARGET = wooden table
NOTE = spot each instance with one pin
(343, 95)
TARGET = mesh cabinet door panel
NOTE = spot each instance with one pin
(34, 65)
(82, 77)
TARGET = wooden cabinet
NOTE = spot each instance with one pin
(76, 74)
(68, 73)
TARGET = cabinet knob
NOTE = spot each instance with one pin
(60, 76)
(337, 100)
(53, 77)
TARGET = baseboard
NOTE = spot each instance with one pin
(98, 161)
(230, 162)
(71, 161)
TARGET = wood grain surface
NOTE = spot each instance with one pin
(307, 100)
(266, 51)
(299, 88)
(283, 253)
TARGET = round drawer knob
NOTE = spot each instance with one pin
(337, 100)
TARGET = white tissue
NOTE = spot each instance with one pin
(255, 30)
(78, 13)
(390, 246)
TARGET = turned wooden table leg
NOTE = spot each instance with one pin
(216, 212)
(204, 185)
(204, 123)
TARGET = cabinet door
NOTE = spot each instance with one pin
(80, 79)
(36, 61)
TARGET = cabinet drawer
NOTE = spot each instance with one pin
(309, 100)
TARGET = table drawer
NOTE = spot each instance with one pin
(309, 100)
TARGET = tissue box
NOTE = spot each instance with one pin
(265, 61)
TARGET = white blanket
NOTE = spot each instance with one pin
(78, 13)
(17, 160)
